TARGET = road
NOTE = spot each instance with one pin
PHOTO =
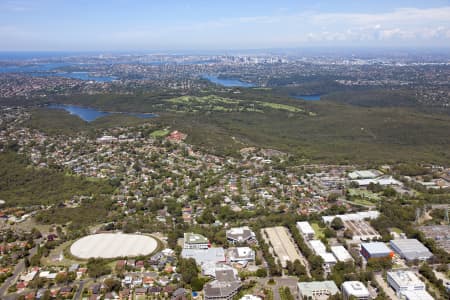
(79, 291)
(387, 290)
(290, 282)
(20, 267)
(442, 276)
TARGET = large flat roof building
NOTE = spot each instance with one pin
(411, 249)
(364, 174)
(404, 281)
(355, 289)
(202, 256)
(317, 289)
(375, 250)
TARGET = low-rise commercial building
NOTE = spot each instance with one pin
(195, 241)
(328, 258)
(306, 230)
(356, 290)
(317, 289)
(341, 254)
(241, 254)
(407, 285)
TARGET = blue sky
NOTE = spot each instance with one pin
(86, 25)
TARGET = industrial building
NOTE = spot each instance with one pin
(195, 241)
(407, 285)
(411, 249)
(358, 216)
(317, 289)
(341, 254)
(355, 289)
(364, 174)
(382, 180)
(306, 230)
(376, 250)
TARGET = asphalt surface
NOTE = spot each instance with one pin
(389, 291)
(79, 291)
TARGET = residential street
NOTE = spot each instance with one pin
(20, 267)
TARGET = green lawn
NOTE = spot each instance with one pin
(159, 133)
(318, 230)
(364, 194)
(362, 202)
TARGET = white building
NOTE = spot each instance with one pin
(250, 297)
(241, 254)
(356, 289)
(417, 295)
(364, 174)
(359, 216)
(328, 258)
(317, 289)
(240, 235)
(195, 241)
(306, 230)
(341, 254)
(383, 181)
(406, 284)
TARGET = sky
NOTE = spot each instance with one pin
(124, 25)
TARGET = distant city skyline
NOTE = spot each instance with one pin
(119, 25)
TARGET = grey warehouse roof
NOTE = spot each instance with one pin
(411, 249)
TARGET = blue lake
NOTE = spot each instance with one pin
(308, 97)
(228, 82)
(90, 114)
